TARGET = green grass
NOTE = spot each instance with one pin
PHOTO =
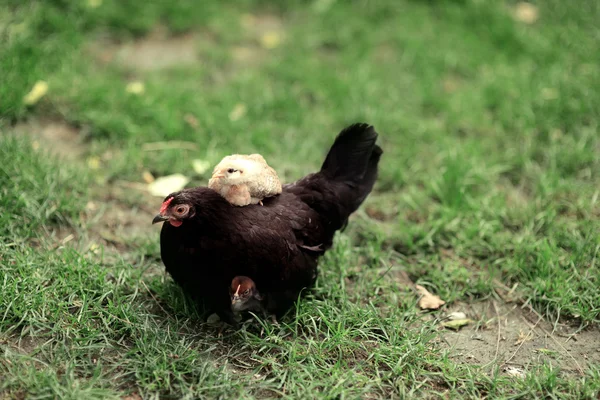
(490, 180)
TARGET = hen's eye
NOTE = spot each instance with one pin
(246, 291)
(180, 210)
(231, 170)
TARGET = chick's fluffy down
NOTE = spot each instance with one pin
(252, 180)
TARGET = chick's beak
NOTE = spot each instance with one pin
(236, 296)
(159, 218)
(218, 175)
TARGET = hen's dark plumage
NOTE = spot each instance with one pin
(207, 241)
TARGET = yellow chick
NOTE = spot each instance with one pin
(245, 179)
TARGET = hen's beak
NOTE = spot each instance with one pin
(159, 218)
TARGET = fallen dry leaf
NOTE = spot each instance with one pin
(428, 301)
(191, 120)
(165, 185)
(523, 338)
(200, 166)
(39, 90)
(514, 371)
(456, 315)
(526, 12)
(238, 112)
(456, 324)
(547, 352)
(147, 177)
(135, 87)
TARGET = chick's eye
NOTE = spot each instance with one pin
(231, 170)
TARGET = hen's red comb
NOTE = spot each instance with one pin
(165, 204)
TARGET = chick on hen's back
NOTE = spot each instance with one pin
(245, 179)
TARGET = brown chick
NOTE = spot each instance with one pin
(245, 297)
(245, 179)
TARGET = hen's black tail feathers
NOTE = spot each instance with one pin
(353, 160)
(348, 158)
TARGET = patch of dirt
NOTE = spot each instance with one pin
(510, 335)
(451, 83)
(116, 214)
(258, 30)
(257, 25)
(158, 50)
(385, 52)
(161, 50)
(516, 197)
(248, 55)
(383, 208)
(55, 135)
(116, 225)
(23, 345)
(518, 339)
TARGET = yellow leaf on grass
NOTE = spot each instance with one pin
(200, 166)
(93, 162)
(428, 301)
(456, 324)
(95, 248)
(549, 94)
(94, 3)
(167, 184)
(270, 40)
(238, 112)
(135, 87)
(39, 90)
(526, 12)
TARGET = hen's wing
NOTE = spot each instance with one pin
(269, 244)
(280, 232)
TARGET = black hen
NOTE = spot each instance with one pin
(207, 241)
